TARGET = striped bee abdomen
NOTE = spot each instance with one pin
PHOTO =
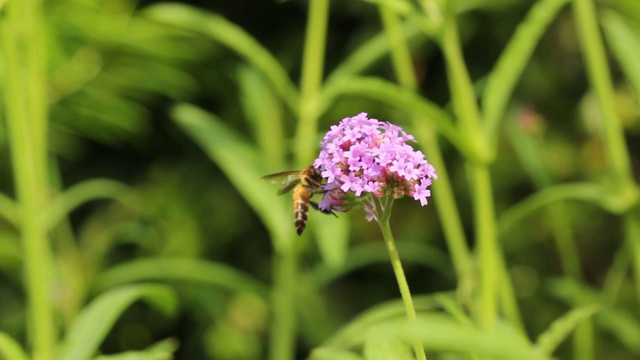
(301, 198)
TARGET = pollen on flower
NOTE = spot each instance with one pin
(362, 155)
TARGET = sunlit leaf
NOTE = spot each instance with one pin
(95, 321)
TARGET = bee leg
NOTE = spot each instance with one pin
(315, 189)
(325, 211)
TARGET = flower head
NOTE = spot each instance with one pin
(362, 155)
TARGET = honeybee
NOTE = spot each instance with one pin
(305, 184)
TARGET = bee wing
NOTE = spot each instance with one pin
(288, 179)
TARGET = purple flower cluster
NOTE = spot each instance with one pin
(363, 155)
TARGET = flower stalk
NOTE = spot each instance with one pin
(368, 163)
(394, 256)
(26, 115)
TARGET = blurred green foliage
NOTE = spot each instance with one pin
(162, 117)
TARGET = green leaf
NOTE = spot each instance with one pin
(587, 192)
(400, 7)
(162, 350)
(332, 236)
(504, 77)
(94, 189)
(443, 334)
(10, 349)
(327, 353)
(94, 322)
(367, 254)
(8, 210)
(614, 319)
(180, 269)
(624, 39)
(232, 36)
(378, 346)
(10, 251)
(242, 164)
(562, 327)
(371, 51)
(628, 8)
(264, 113)
(354, 332)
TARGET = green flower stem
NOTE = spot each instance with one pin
(283, 329)
(446, 205)
(466, 109)
(402, 64)
(311, 80)
(283, 326)
(462, 93)
(598, 71)
(26, 114)
(616, 147)
(486, 236)
(448, 211)
(384, 211)
(492, 272)
(632, 235)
